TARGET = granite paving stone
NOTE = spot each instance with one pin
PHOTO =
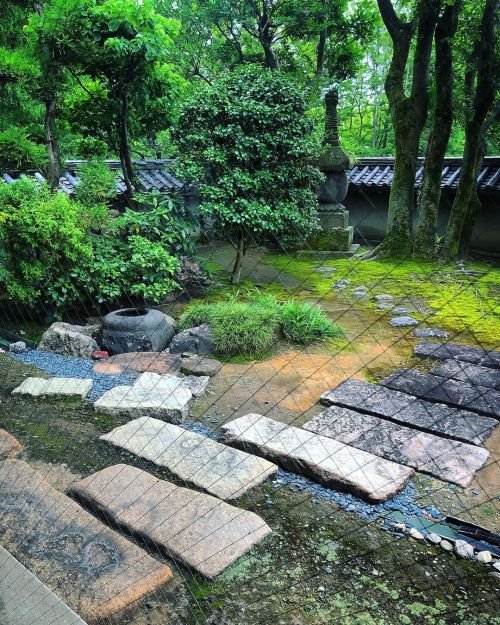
(403, 322)
(466, 372)
(93, 569)
(429, 333)
(197, 530)
(443, 458)
(435, 388)
(9, 446)
(65, 387)
(218, 469)
(323, 459)
(138, 362)
(474, 355)
(436, 418)
(195, 365)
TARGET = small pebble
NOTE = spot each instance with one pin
(464, 550)
(447, 546)
(414, 533)
(496, 566)
(434, 538)
(484, 556)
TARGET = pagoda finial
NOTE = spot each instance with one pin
(331, 123)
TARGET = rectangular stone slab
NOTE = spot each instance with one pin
(92, 568)
(323, 459)
(434, 418)
(9, 446)
(474, 355)
(443, 458)
(197, 530)
(220, 470)
(24, 600)
(456, 393)
(65, 387)
(466, 372)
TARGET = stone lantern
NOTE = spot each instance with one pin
(335, 240)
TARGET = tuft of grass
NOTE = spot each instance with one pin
(252, 326)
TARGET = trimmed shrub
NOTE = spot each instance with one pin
(303, 323)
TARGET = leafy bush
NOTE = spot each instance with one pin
(97, 183)
(250, 328)
(19, 153)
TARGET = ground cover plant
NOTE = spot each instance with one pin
(253, 325)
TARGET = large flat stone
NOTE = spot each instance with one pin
(195, 529)
(195, 365)
(443, 458)
(92, 568)
(427, 416)
(9, 446)
(25, 600)
(220, 470)
(138, 362)
(455, 393)
(162, 396)
(474, 355)
(64, 387)
(466, 372)
(323, 459)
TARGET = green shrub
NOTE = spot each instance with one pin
(19, 153)
(251, 328)
(97, 183)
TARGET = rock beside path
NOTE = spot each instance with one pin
(139, 362)
(429, 333)
(196, 341)
(195, 529)
(194, 365)
(403, 322)
(220, 470)
(63, 387)
(96, 571)
(67, 340)
(9, 446)
(323, 459)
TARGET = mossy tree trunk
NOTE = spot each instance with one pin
(430, 195)
(408, 113)
(480, 74)
(241, 245)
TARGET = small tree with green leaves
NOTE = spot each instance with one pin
(248, 142)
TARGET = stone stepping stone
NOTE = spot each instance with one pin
(384, 299)
(138, 362)
(465, 372)
(429, 333)
(196, 365)
(162, 396)
(64, 387)
(443, 458)
(216, 468)
(197, 384)
(323, 459)
(9, 446)
(435, 388)
(403, 322)
(96, 571)
(198, 530)
(25, 600)
(474, 355)
(434, 418)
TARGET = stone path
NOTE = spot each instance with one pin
(196, 365)
(474, 355)
(154, 362)
(463, 371)
(218, 469)
(25, 600)
(162, 396)
(96, 571)
(435, 388)
(443, 458)
(64, 387)
(9, 446)
(323, 459)
(424, 415)
(195, 529)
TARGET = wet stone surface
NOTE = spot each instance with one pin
(474, 355)
(91, 567)
(465, 372)
(436, 418)
(443, 458)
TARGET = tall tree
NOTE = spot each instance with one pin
(480, 81)
(430, 194)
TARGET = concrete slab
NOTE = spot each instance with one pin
(474, 355)
(197, 530)
(64, 387)
(466, 372)
(427, 416)
(162, 396)
(323, 459)
(218, 469)
(443, 458)
(472, 397)
(25, 600)
(94, 570)
(9, 446)
(138, 362)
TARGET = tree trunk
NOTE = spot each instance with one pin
(266, 40)
(465, 202)
(240, 253)
(125, 158)
(425, 237)
(320, 52)
(53, 150)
